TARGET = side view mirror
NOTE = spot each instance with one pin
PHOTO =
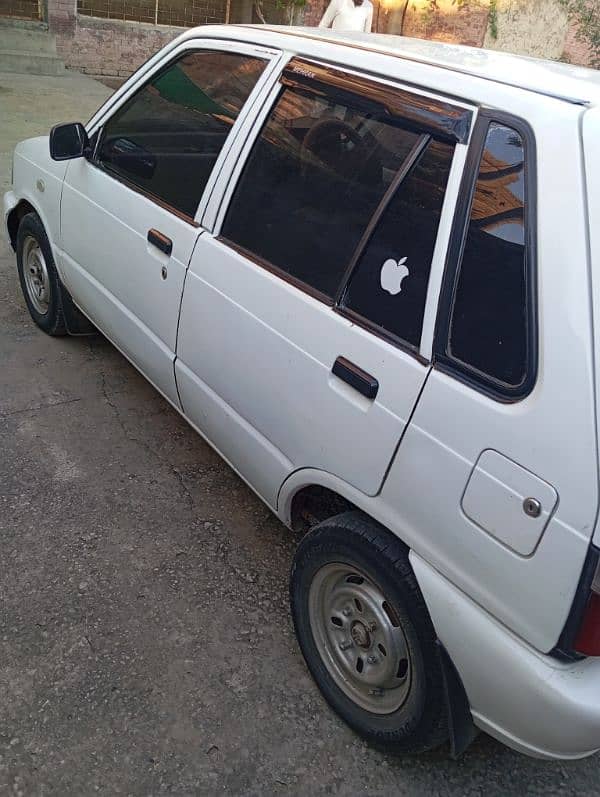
(68, 141)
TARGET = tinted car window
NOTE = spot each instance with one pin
(488, 328)
(312, 182)
(389, 285)
(167, 137)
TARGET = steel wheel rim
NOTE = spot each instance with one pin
(352, 622)
(35, 272)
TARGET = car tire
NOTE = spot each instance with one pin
(354, 597)
(38, 276)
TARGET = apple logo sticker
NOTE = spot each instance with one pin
(392, 274)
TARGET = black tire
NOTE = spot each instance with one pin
(52, 321)
(353, 539)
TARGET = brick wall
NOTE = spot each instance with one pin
(110, 47)
(113, 48)
(313, 11)
(575, 51)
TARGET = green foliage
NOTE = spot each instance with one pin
(493, 19)
(586, 14)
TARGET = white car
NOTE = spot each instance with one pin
(367, 270)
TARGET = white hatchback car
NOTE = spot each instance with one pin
(366, 269)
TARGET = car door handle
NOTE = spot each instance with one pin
(354, 376)
(160, 241)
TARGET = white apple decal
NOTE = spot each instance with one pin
(392, 274)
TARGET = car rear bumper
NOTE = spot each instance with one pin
(531, 702)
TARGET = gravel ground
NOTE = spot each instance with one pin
(145, 640)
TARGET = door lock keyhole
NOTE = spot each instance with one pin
(532, 507)
(163, 272)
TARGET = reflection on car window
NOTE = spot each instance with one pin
(489, 321)
(167, 137)
(312, 182)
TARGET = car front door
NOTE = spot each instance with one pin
(128, 211)
(302, 316)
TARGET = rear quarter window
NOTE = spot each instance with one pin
(489, 329)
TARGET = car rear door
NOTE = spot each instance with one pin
(302, 316)
(128, 211)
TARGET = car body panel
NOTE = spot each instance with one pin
(39, 180)
(591, 162)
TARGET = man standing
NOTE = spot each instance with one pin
(348, 15)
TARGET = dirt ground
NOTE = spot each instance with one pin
(145, 639)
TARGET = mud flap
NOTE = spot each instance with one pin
(461, 727)
(76, 322)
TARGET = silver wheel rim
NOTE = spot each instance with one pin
(359, 638)
(36, 275)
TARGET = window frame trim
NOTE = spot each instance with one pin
(445, 120)
(442, 360)
(214, 217)
(97, 125)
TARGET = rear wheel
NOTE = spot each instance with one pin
(37, 273)
(366, 635)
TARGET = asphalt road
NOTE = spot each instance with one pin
(145, 639)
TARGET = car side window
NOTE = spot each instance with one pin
(490, 320)
(167, 137)
(317, 173)
(388, 287)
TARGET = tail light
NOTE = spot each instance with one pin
(587, 640)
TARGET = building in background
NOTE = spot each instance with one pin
(113, 37)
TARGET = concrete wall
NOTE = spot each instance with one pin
(530, 27)
(539, 28)
(464, 23)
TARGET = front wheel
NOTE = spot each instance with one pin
(366, 634)
(37, 273)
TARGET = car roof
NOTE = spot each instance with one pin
(574, 84)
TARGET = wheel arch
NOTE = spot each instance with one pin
(21, 209)
(325, 489)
